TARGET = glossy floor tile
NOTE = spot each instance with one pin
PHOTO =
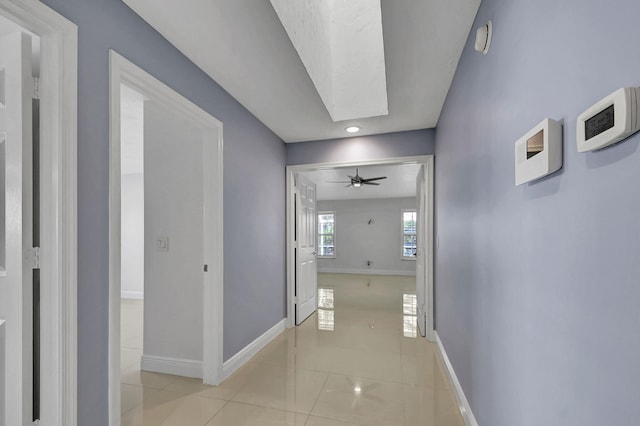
(356, 361)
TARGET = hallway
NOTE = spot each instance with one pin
(355, 361)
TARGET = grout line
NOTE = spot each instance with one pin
(326, 379)
(216, 414)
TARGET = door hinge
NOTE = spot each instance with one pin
(32, 257)
(295, 300)
(36, 87)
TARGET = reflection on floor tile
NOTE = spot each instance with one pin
(358, 361)
(360, 401)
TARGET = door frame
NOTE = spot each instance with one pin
(58, 185)
(425, 160)
(121, 70)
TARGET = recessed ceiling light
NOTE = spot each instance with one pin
(353, 129)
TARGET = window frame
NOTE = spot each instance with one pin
(403, 234)
(319, 235)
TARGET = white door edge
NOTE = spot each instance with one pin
(306, 268)
(58, 112)
(429, 245)
(293, 170)
(121, 71)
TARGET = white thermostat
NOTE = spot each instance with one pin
(539, 151)
(610, 120)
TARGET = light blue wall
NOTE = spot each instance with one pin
(254, 223)
(537, 286)
(374, 147)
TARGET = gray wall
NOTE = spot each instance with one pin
(357, 241)
(537, 286)
(251, 151)
(374, 147)
(173, 200)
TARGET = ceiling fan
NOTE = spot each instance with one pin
(357, 181)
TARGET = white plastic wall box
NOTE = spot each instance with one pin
(539, 152)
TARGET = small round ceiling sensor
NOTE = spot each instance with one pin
(483, 38)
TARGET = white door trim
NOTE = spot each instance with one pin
(58, 183)
(122, 70)
(426, 160)
(429, 245)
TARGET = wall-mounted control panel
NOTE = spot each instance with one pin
(610, 120)
(539, 151)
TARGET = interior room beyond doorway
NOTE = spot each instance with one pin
(366, 222)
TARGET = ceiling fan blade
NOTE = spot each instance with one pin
(351, 177)
(349, 185)
(375, 178)
(370, 183)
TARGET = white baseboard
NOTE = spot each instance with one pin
(463, 404)
(175, 366)
(241, 358)
(138, 295)
(366, 271)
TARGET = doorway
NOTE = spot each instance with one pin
(38, 100)
(177, 170)
(423, 218)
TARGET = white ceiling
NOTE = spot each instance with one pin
(340, 44)
(243, 46)
(400, 182)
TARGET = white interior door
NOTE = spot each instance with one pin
(16, 224)
(421, 282)
(306, 265)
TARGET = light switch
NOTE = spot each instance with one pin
(162, 244)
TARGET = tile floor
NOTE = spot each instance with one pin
(356, 361)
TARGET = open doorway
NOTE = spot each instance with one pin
(132, 136)
(165, 238)
(367, 231)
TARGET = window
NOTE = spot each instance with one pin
(409, 235)
(326, 234)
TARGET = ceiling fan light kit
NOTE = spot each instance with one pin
(358, 181)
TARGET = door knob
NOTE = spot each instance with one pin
(315, 252)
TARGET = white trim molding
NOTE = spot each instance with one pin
(175, 366)
(231, 365)
(134, 295)
(58, 186)
(463, 403)
(122, 71)
(2, 370)
(366, 272)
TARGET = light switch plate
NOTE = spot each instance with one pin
(162, 244)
